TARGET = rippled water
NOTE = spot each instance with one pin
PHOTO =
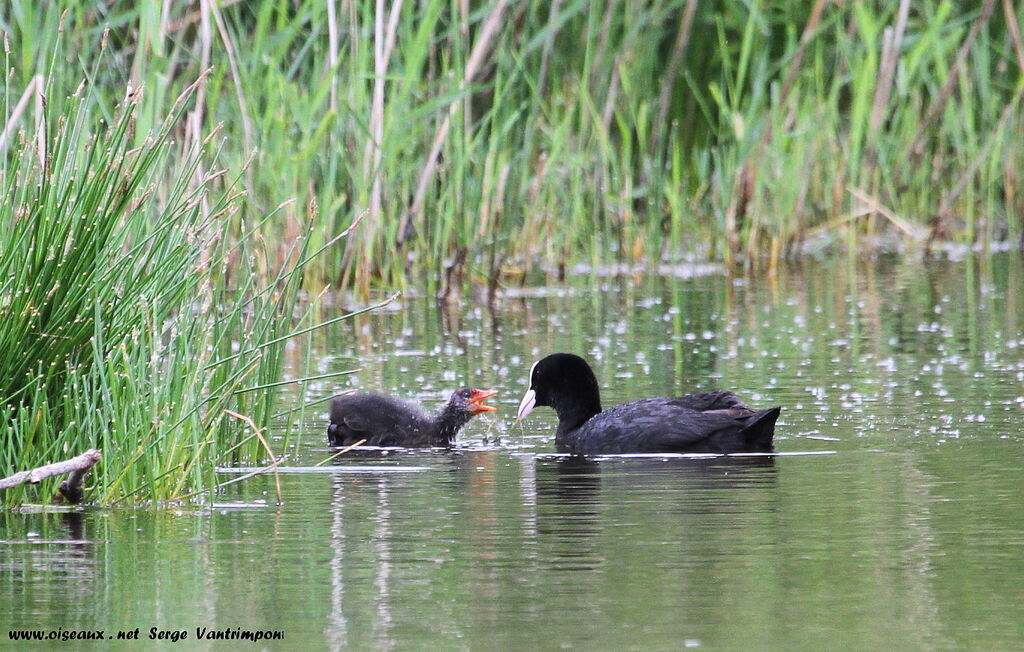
(891, 518)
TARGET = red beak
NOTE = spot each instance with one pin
(478, 398)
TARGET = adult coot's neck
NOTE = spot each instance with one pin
(574, 394)
(575, 410)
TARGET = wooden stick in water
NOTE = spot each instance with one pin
(71, 488)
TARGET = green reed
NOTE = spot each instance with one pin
(516, 134)
(139, 305)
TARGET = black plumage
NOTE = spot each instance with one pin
(709, 422)
(385, 421)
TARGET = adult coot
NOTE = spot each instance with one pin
(385, 421)
(709, 422)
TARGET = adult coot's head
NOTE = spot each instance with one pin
(565, 382)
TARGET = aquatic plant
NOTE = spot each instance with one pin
(140, 310)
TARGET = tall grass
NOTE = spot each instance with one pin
(511, 134)
(135, 314)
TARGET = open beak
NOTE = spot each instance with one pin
(476, 401)
(526, 405)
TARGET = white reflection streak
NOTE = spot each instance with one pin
(528, 493)
(210, 594)
(337, 631)
(924, 606)
(381, 543)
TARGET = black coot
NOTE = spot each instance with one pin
(710, 422)
(385, 421)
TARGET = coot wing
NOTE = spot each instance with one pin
(717, 400)
(662, 425)
(348, 428)
(378, 420)
(355, 422)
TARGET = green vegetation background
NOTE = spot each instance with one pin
(559, 131)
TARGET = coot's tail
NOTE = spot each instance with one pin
(760, 429)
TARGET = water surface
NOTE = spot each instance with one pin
(891, 519)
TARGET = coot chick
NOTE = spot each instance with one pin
(709, 422)
(385, 421)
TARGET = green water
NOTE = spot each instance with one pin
(892, 518)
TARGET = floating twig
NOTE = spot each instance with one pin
(342, 452)
(259, 435)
